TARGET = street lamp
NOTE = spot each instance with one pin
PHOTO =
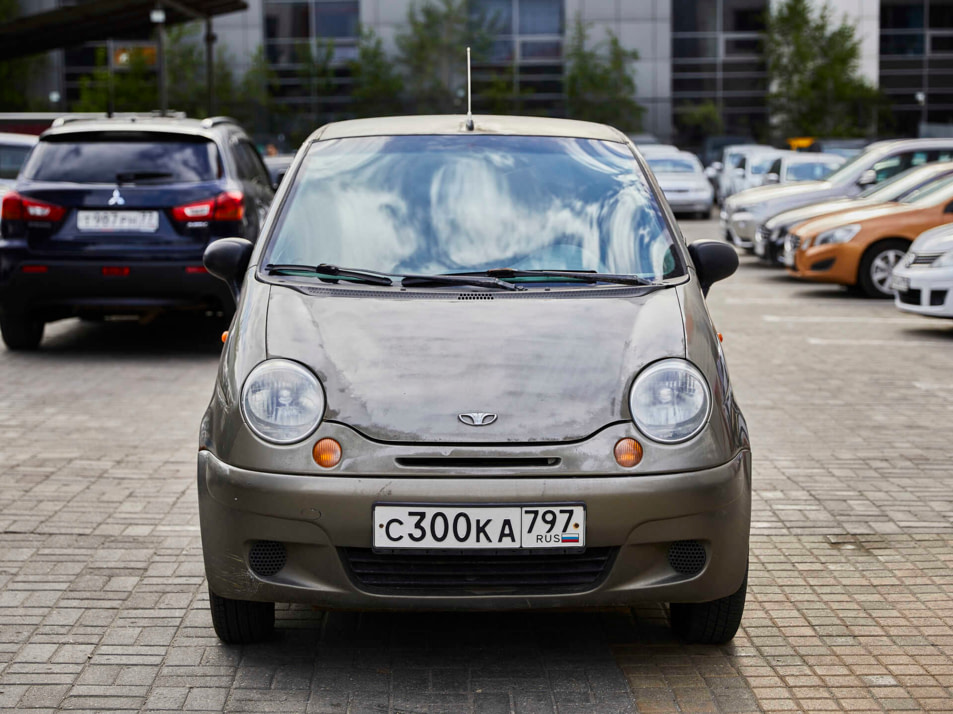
(157, 16)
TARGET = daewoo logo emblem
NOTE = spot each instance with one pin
(116, 199)
(477, 418)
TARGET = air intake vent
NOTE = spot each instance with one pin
(474, 296)
(687, 557)
(467, 572)
(439, 462)
(267, 557)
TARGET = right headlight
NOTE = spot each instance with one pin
(282, 401)
(838, 235)
(670, 401)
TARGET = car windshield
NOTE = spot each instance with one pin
(932, 193)
(761, 165)
(111, 157)
(810, 170)
(847, 170)
(451, 204)
(672, 165)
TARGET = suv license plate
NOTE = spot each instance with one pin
(473, 527)
(118, 221)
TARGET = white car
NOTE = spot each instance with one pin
(923, 282)
(13, 152)
(800, 166)
(735, 167)
(682, 179)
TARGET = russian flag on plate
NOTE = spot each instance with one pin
(570, 538)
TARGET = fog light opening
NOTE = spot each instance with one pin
(628, 453)
(327, 453)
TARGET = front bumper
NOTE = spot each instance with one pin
(314, 517)
(924, 291)
(740, 227)
(829, 263)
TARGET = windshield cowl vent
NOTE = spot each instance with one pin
(474, 296)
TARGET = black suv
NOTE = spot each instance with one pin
(112, 216)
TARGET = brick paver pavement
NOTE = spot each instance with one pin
(102, 597)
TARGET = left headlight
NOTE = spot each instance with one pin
(282, 401)
(838, 235)
(670, 401)
(944, 261)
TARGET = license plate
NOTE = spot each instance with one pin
(789, 258)
(759, 248)
(118, 221)
(900, 284)
(474, 527)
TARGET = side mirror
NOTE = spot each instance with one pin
(713, 261)
(868, 178)
(711, 172)
(772, 178)
(227, 259)
(718, 166)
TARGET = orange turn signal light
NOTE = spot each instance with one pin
(224, 336)
(721, 337)
(628, 452)
(327, 453)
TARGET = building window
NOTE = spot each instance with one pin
(336, 19)
(718, 56)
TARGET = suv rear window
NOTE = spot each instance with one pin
(124, 157)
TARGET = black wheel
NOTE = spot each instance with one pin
(709, 623)
(878, 263)
(241, 622)
(21, 331)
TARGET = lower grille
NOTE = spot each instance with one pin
(765, 234)
(447, 573)
(937, 298)
(909, 297)
(687, 557)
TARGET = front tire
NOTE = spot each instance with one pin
(877, 264)
(21, 331)
(241, 622)
(709, 623)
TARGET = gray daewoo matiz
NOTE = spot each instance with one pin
(472, 367)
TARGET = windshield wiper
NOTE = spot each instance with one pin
(459, 279)
(331, 273)
(133, 176)
(585, 276)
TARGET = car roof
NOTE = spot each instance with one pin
(9, 139)
(893, 144)
(449, 124)
(807, 157)
(169, 125)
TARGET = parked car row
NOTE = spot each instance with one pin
(881, 225)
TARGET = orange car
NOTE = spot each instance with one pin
(861, 247)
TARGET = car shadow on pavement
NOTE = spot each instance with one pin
(940, 331)
(165, 336)
(606, 660)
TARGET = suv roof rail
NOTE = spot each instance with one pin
(215, 121)
(132, 116)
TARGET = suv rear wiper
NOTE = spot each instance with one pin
(331, 273)
(585, 276)
(459, 279)
(133, 176)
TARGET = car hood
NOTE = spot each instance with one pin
(779, 194)
(935, 240)
(402, 369)
(786, 219)
(859, 215)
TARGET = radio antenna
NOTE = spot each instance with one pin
(469, 96)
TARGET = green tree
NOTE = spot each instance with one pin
(377, 87)
(813, 67)
(16, 74)
(700, 120)
(185, 62)
(599, 84)
(133, 88)
(432, 53)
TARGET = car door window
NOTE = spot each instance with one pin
(251, 166)
(891, 166)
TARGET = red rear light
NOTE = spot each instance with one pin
(198, 211)
(195, 269)
(12, 209)
(33, 269)
(115, 271)
(229, 206)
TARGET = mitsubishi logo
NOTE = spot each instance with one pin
(116, 199)
(477, 418)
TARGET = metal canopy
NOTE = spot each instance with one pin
(100, 20)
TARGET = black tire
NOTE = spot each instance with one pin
(21, 331)
(870, 274)
(709, 623)
(241, 622)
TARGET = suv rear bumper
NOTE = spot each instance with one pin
(61, 287)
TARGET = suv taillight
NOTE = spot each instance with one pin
(18, 208)
(227, 206)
